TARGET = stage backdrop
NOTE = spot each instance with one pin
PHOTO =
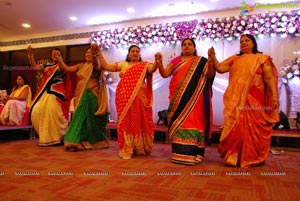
(278, 48)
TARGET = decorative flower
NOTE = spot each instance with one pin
(283, 23)
(289, 71)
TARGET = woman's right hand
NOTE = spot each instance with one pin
(29, 51)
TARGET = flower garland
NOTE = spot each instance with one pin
(285, 23)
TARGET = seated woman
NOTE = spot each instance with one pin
(16, 103)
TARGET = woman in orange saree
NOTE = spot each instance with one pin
(133, 103)
(190, 109)
(251, 105)
(17, 103)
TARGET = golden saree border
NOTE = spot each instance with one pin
(83, 75)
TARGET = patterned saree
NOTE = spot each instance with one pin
(248, 113)
(190, 111)
(134, 108)
(50, 106)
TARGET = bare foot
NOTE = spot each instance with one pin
(101, 145)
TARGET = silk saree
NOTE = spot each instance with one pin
(248, 113)
(190, 110)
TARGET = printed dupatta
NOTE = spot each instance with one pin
(194, 82)
(129, 86)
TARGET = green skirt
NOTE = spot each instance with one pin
(85, 125)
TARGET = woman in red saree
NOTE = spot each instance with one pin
(133, 103)
(17, 103)
(251, 105)
(190, 109)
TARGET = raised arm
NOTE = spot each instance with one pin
(31, 59)
(222, 67)
(211, 70)
(109, 67)
(164, 72)
(153, 66)
(95, 57)
(64, 66)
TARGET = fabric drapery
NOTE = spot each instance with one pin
(50, 106)
(190, 111)
(90, 108)
(248, 113)
(14, 111)
(134, 108)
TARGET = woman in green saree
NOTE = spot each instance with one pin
(87, 128)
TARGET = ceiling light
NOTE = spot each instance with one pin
(130, 10)
(25, 25)
(73, 18)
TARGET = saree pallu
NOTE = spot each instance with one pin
(87, 123)
(14, 111)
(134, 108)
(190, 111)
(50, 106)
(248, 112)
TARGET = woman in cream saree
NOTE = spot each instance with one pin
(17, 103)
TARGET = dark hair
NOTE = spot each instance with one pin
(192, 40)
(132, 46)
(58, 50)
(255, 49)
(23, 76)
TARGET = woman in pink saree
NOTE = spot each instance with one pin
(133, 103)
(190, 109)
(251, 105)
